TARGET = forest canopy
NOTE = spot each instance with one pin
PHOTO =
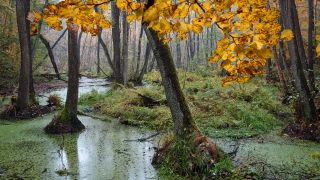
(249, 27)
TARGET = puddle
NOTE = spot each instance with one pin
(99, 152)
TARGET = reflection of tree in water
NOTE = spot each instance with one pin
(68, 155)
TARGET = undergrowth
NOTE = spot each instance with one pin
(237, 111)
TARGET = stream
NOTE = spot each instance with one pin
(102, 152)
(99, 152)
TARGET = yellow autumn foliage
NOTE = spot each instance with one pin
(249, 27)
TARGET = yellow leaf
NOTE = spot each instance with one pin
(130, 18)
(287, 35)
(318, 50)
(122, 4)
(196, 28)
(318, 37)
(104, 7)
(104, 23)
(151, 14)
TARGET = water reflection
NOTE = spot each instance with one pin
(86, 85)
(99, 152)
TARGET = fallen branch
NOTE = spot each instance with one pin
(89, 115)
(145, 138)
(147, 100)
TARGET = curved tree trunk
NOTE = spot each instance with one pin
(25, 48)
(183, 121)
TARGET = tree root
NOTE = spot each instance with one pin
(303, 131)
(60, 125)
(13, 113)
(187, 156)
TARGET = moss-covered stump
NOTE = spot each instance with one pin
(194, 156)
(64, 122)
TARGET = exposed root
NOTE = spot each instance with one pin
(303, 131)
(187, 156)
(13, 113)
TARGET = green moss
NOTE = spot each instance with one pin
(235, 111)
(64, 115)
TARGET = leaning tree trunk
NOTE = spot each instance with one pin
(50, 54)
(188, 140)
(306, 104)
(67, 121)
(183, 121)
(24, 39)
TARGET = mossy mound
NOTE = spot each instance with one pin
(65, 122)
(192, 156)
(11, 112)
(236, 111)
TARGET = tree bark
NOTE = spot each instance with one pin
(183, 121)
(67, 121)
(179, 60)
(116, 42)
(145, 64)
(311, 46)
(283, 82)
(73, 72)
(51, 56)
(125, 52)
(139, 54)
(308, 109)
(25, 48)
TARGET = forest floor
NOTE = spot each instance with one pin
(244, 120)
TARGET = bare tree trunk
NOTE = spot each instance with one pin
(67, 121)
(283, 82)
(145, 65)
(139, 54)
(183, 121)
(308, 109)
(24, 39)
(51, 56)
(116, 42)
(98, 57)
(268, 69)
(298, 37)
(311, 46)
(125, 52)
(73, 73)
(106, 52)
(178, 49)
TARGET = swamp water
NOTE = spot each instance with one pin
(102, 152)
(99, 152)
